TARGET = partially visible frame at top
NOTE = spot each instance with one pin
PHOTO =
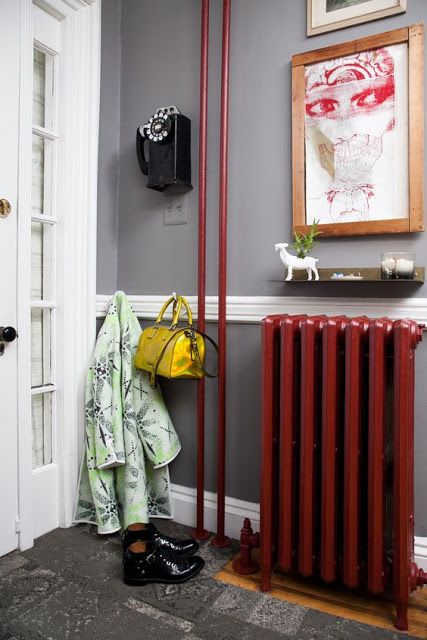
(322, 18)
(303, 175)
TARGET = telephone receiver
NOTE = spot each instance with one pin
(167, 134)
(140, 139)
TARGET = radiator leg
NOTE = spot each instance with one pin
(402, 616)
(246, 565)
(417, 578)
(266, 577)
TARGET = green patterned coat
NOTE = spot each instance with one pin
(130, 438)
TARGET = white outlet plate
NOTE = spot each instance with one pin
(176, 210)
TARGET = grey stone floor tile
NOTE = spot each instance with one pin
(189, 600)
(277, 615)
(25, 588)
(65, 613)
(173, 621)
(11, 562)
(112, 622)
(218, 626)
(321, 626)
(237, 603)
(261, 610)
(14, 631)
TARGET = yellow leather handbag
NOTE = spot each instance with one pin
(173, 352)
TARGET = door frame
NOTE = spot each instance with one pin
(77, 174)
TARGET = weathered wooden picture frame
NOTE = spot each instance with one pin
(329, 15)
(355, 181)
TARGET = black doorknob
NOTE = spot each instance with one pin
(7, 334)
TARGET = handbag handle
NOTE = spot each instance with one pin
(178, 301)
(184, 303)
(177, 304)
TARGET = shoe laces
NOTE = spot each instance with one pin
(170, 558)
(164, 537)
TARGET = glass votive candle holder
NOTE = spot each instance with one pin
(397, 265)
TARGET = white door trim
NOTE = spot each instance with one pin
(24, 279)
(81, 27)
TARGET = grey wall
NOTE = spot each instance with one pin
(160, 66)
(109, 131)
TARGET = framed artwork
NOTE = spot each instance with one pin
(358, 135)
(328, 15)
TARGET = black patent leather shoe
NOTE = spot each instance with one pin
(157, 564)
(151, 534)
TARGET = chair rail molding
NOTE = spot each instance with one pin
(252, 309)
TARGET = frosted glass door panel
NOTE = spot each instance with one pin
(36, 261)
(41, 253)
(42, 429)
(43, 70)
(39, 88)
(40, 347)
(37, 192)
(41, 183)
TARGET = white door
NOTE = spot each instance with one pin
(9, 132)
(49, 56)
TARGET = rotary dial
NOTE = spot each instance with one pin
(159, 126)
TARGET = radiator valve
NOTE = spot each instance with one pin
(417, 578)
(245, 564)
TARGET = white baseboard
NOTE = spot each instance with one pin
(184, 512)
(421, 552)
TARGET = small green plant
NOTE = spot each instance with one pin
(304, 243)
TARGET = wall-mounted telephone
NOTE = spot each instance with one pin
(168, 137)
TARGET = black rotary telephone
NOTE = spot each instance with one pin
(168, 137)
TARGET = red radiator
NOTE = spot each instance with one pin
(337, 494)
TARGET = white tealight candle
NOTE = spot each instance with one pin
(405, 268)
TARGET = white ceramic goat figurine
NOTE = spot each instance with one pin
(293, 262)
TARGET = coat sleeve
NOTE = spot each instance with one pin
(106, 419)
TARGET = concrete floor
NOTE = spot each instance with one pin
(70, 586)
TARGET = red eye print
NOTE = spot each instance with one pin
(373, 97)
(321, 107)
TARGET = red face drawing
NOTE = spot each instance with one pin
(362, 98)
(349, 108)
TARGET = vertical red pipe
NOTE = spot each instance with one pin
(220, 540)
(200, 533)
